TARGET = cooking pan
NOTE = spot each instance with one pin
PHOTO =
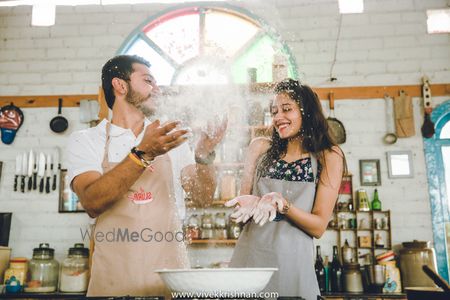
(419, 293)
(337, 129)
(59, 124)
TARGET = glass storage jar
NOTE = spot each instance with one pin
(193, 228)
(234, 229)
(207, 226)
(74, 274)
(18, 268)
(43, 270)
(353, 278)
(220, 226)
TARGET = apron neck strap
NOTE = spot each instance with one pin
(314, 165)
(108, 140)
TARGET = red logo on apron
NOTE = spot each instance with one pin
(141, 197)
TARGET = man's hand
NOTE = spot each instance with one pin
(211, 138)
(157, 140)
(266, 209)
(245, 207)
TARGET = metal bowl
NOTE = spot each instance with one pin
(226, 280)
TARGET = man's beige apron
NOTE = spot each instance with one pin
(121, 266)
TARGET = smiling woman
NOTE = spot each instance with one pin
(191, 45)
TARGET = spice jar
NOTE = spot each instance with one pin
(228, 185)
(207, 226)
(413, 256)
(220, 226)
(74, 275)
(18, 268)
(43, 270)
(353, 278)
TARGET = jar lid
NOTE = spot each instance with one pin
(79, 249)
(416, 244)
(18, 260)
(353, 266)
(44, 249)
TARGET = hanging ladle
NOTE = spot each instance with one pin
(390, 137)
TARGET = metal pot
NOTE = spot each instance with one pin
(413, 256)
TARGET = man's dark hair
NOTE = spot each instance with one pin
(120, 66)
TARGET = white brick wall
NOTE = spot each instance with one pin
(386, 45)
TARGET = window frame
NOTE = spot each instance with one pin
(173, 11)
(440, 208)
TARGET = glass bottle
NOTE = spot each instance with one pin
(347, 253)
(326, 267)
(336, 272)
(376, 203)
(74, 274)
(43, 270)
(320, 270)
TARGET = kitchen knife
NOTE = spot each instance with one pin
(35, 170)
(54, 170)
(41, 171)
(48, 173)
(18, 170)
(30, 169)
(24, 172)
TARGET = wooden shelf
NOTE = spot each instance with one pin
(208, 242)
(340, 93)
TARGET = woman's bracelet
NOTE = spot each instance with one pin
(286, 208)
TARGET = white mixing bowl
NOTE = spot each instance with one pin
(226, 280)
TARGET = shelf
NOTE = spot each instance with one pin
(209, 242)
(345, 211)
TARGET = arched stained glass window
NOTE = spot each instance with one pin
(208, 45)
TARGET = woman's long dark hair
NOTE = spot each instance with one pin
(314, 132)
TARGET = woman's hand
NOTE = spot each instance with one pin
(267, 208)
(245, 207)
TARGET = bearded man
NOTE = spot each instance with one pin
(129, 174)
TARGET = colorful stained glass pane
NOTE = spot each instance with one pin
(160, 68)
(260, 55)
(226, 33)
(178, 36)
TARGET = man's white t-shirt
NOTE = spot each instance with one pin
(86, 148)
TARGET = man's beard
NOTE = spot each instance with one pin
(139, 101)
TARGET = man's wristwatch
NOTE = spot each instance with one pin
(140, 154)
(209, 159)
